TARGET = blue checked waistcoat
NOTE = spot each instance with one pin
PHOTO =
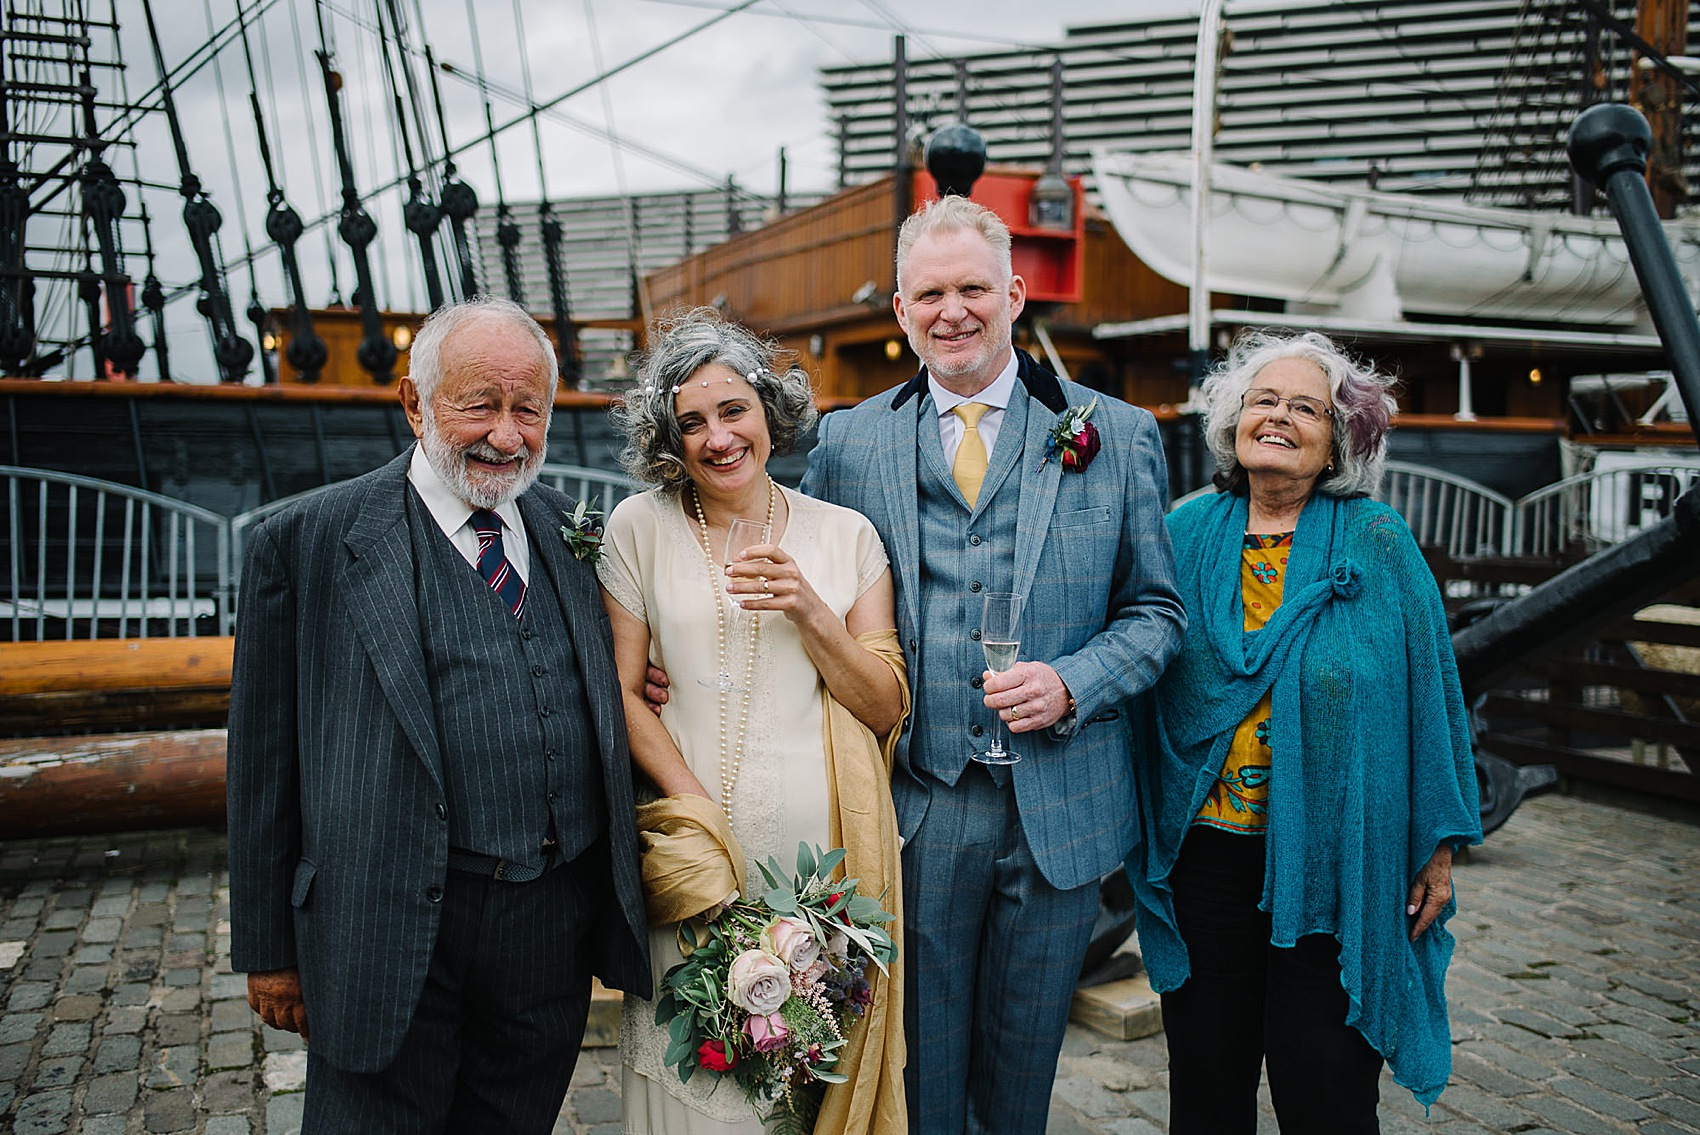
(1090, 552)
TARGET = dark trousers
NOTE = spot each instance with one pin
(497, 1029)
(1249, 1003)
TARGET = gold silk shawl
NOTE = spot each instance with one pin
(691, 860)
(863, 822)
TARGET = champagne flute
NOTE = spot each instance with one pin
(743, 533)
(1000, 637)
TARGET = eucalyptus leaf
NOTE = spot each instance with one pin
(826, 1077)
(805, 861)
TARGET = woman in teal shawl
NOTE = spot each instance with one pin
(1305, 767)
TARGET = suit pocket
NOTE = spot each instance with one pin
(1081, 517)
(304, 872)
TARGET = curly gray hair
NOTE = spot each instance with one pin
(681, 346)
(1363, 409)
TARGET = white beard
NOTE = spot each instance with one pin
(486, 491)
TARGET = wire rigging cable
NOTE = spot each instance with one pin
(633, 244)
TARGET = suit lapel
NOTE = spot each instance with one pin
(378, 586)
(1009, 450)
(896, 469)
(1038, 491)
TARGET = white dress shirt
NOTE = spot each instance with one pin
(996, 396)
(454, 517)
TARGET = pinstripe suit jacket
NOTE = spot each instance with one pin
(335, 778)
(1092, 556)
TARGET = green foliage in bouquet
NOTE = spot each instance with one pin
(770, 987)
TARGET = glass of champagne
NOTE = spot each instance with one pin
(1000, 637)
(743, 533)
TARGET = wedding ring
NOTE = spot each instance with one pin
(1014, 713)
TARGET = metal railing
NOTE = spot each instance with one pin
(1446, 512)
(1582, 514)
(91, 559)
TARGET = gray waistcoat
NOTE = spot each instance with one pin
(519, 752)
(962, 557)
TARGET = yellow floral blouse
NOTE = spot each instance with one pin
(1239, 800)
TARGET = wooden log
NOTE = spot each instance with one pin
(115, 664)
(111, 782)
(130, 684)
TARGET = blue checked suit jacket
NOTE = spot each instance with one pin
(1092, 556)
(335, 775)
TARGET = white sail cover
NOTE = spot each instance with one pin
(1356, 252)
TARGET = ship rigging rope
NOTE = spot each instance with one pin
(634, 248)
(313, 148)
(230, 152)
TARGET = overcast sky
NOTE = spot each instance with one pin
(720, 102)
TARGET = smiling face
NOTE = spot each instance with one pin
(1276, 443)
(486, 426)
(723, 428)
(957, 305)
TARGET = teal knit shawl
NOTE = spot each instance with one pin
(1370, 756)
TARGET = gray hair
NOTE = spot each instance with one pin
(954, 214)
(424, 359)
(679, 347)
(1363, 409)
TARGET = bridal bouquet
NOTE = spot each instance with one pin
(770, 988)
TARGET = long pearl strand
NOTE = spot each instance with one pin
(731, 760)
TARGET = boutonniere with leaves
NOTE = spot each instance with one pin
(582, 533)
(1075, 439)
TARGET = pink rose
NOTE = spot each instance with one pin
(758, 982)
(792, 941)
(814, 974)
(768, 1032)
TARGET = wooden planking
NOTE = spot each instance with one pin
(1683, 734)
(1592, 767)
(1643, 679)
(1649, 630)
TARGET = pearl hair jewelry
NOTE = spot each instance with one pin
(749, 378)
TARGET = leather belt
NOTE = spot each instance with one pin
(502, 870)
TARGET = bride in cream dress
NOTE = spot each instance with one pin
(807, 628)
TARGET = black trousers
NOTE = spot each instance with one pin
(497, 1030)
(1249, 1003)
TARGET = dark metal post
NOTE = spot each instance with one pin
(1609, 144)
(900, 175)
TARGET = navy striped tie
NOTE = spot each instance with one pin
(493, 562)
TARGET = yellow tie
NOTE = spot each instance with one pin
(970, 467)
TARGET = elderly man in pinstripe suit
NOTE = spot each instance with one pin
(957, 472)
(430, 798)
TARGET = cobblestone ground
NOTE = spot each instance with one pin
(1575, 995)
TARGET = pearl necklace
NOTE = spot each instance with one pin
(731, 759)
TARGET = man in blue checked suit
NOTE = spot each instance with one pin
(430, 797)
(958, 472)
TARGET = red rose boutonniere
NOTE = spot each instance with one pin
(1075, 439)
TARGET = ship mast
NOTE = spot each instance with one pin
(1663, 25)
(232, 352)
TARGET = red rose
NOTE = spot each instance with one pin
(716, 1057)
(1079, 450)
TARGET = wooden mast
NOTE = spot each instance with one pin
(1664, 25)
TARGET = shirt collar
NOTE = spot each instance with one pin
(448, 510)
(997, 395)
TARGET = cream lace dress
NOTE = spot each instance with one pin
(653, 566)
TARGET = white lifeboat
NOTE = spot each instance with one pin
(1328, 249)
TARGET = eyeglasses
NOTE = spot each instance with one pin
(1304, 408)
